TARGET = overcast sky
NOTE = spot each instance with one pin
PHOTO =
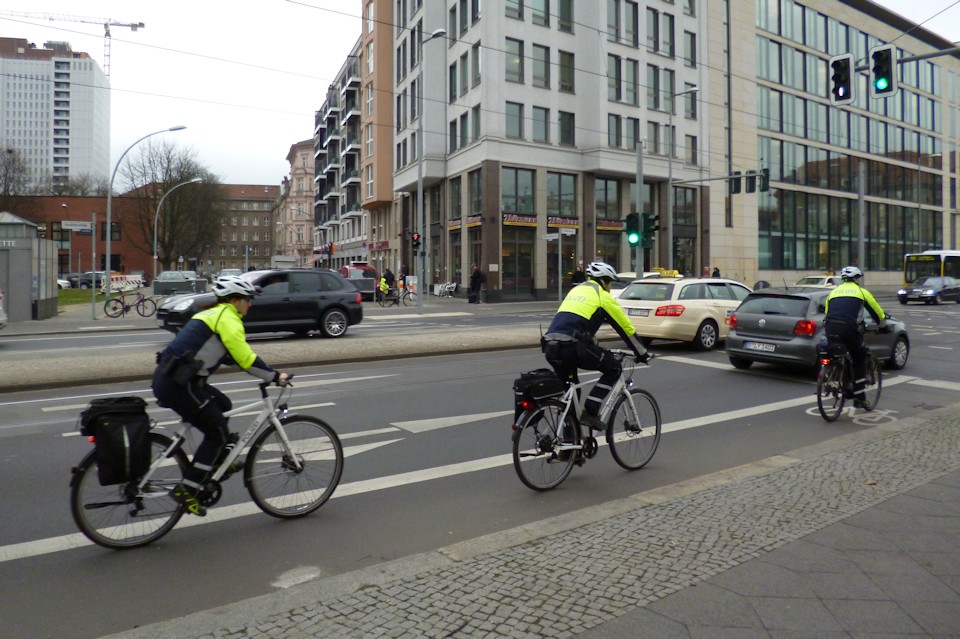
(244, 77)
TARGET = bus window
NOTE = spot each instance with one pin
(934, 263)
(951, 266)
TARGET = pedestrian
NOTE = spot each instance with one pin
(477, 278)
(578, 276)
(389, 277)
(716, 271)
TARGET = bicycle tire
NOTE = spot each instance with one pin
(634, 438)
(107, 515)
(146, 307)
(381, 298)
(537, 433)
(874, 383)
(830, 396)
(114, 307)
(408, 298)
(282, 491)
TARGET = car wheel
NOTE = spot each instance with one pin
(903, 301)
(899, 354)
(937, 299)
(740, 362)
(334, 323)
(84, 285)
(707, 336)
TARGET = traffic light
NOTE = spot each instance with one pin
(632, 229)
(650, 225)
(751, 182)
(415, 240)
(764, 184)
(735, 183)
(883, 71)
(842, 83)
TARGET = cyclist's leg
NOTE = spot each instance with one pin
(596, 358)
(562, 356)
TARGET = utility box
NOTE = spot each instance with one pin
(28, 270)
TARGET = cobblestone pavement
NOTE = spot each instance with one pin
(852, 537)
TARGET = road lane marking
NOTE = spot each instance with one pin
(695, 362)
(424, 425)
(428, 316)
(942, 348)
(931, 383)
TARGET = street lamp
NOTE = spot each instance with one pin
(420, 260)
(673, 146)
(106, 279)
(156, 216)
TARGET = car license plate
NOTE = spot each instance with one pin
(638, 312)
(759, 346)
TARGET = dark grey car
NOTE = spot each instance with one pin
(785, 325)
(930, 289)
(294, 300)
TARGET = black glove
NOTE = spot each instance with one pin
(645, 358)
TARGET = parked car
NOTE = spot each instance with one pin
(3, 313)
(86, 280)
(785, 325)
(63, 283)
(174, 282)
(228, 272)
(625, 278)
(820, 280)
(689, 309)
(291, 300)
(930, 290)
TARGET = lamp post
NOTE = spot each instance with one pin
(673, 146)
(156, 216)
(420, 260)
(106, 281)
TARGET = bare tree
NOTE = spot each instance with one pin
(191, 216)
(13, 177)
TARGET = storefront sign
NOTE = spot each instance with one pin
(512, 219)
(610, 225)
(555, 221)
(474, 220)
(453, 225)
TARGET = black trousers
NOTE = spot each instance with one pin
(850, 335)
(567, 357)
(202, 406)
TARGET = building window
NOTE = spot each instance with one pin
(541, 124)
(666, 35)
(690, 49)
(566, 71)
(540, 12)
(607, 199)
(456, 199)
(614, 132)
(514, 9)
(476, 123)
(516, 190)
(474, 10)
(369, 171)
(565, 16)
(692, 151)
(464, 76)
(653, 87)
(653, 138)
(514, 121)
(653, 30)
(369, 141)
(541, 66)
(514, 61)
(475, 64)
(690, 103)
(476, 191)
(567, 135)
(464, 130)
(631, 82)
(369, 58)
(453, 136)
(631, 133)
(561, 194)
(452, 83)
(613, 20)
(613, 78)
(464, 18)
(631, 25)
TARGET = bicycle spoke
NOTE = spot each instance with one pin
(541, 460)
(634, 435)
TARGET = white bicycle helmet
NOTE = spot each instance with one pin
(850, 273)
(601, 271)
(233, 285)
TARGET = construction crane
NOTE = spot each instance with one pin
(106, 22)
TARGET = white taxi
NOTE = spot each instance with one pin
(691, 309)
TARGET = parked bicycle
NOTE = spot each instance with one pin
(395, 297)
(835, 381)
(292, 468)
(548, 438)
(119, 306)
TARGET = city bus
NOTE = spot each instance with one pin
(936, 263)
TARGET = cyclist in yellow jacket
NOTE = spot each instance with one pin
(212, 337)
(843, 323)
(569, 343)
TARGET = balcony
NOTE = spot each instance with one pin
(351, 113)
(351, 75)
(352, 145)
(351, 176)
(333, 135)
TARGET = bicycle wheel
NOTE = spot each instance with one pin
(634, 436)
(275, 485)
(408, 298)
(830, 395)
(146, 307)
(535, 458)
(381, 298)
(874, 381)
(120, 517)
(114, 307)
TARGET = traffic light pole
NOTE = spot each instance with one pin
(638, 247)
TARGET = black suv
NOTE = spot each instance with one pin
(294, 300)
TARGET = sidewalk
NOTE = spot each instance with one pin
(856, 537)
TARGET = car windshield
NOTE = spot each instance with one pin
(775, 305)
(812, 279)
(927, 280)
(655, 291)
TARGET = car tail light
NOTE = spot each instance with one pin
(674, 310)
(732, 321)
(359, 298)
(805, 327)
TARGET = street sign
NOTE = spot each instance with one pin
(76, 226)
(550, 236)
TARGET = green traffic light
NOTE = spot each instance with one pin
(633, 238)
(882, 84)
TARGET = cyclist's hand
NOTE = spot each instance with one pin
(883, 327)
(645, 358)
(283, 379)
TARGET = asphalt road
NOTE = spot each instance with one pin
(428, 465)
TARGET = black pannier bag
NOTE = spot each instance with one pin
(535, 386)
(120, 427)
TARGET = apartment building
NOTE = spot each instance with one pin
(54, 111)
(531, 112)
(294, 232)
(245, 238)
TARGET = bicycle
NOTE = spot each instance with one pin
(292, 468)
(547, 437)
(835, 381)
(390, 298)
(118, 306)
